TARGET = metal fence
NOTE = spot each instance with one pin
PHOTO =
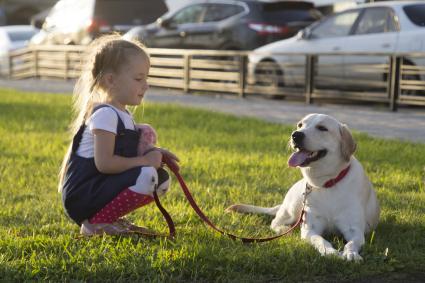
(392, 79)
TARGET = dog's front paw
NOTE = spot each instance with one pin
(325, 251)
(351, 255)
(277, 227)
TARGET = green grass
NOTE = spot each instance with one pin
(224, 160)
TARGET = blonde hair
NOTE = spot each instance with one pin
(108, 53)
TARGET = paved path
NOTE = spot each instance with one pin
(406, 124)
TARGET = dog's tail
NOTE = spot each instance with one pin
(246, 208)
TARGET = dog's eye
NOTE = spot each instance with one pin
(321, 128)
(299, 125)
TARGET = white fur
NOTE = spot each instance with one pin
(350, 207)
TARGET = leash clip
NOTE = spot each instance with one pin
(308, 190)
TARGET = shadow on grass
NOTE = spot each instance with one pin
(203, 256)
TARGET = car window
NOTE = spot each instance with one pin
(416, 13)
(218, 12)
(337, 25)
(376, 20)
(191, 14)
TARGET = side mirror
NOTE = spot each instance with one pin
(164, 23)
(304, 34)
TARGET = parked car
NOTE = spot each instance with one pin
(227, 25)
(12, 38)
(19, 12)
(80, 21)
(393, 27)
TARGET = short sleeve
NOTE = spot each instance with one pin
(104, 119)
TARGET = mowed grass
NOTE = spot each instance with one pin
(224, 160)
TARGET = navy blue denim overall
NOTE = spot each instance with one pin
(86, 190)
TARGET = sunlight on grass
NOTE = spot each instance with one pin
(224, 160)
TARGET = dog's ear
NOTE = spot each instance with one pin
(348, 145)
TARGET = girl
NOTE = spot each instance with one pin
(102, 178)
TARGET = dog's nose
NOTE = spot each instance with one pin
(297, 137)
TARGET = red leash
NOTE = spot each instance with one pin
(170, 223)
(195, 207)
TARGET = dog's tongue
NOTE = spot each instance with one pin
(298, 158)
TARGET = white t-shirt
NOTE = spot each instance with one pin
(103, 119)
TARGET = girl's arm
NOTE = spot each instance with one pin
(109, 163)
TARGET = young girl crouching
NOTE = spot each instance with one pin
(102, 177)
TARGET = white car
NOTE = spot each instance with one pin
(12, 38)
(393, 27)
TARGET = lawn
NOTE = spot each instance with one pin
(224, 160)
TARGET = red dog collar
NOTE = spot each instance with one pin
(341, 175)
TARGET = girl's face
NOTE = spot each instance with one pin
(129, 84)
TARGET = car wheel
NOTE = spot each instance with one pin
(269, 74)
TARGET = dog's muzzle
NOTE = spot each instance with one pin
(297, 139)
(303, 157)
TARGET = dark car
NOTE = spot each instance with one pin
(80, 21)
(227, 25)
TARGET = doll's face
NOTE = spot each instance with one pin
(148, 137)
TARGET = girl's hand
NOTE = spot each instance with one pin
(171, 157)
(153, 158)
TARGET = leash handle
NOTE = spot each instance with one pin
(195, 207)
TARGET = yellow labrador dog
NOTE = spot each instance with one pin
(339, 197)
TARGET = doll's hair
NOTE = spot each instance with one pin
(109, 53)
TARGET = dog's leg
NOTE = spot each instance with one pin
(312, 234)
(323, 246)
(290, 209)
(355, 240)
(282, 220)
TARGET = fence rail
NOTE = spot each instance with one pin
(393, 79)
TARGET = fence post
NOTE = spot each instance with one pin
(186, 72)
(242, 74)
(394, 82)
(309, 77)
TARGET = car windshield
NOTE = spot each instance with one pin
(416, 13)
(20, 35)
(336, 25)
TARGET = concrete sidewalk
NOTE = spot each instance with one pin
(406, 124)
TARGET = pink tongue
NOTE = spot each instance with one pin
(297, 158)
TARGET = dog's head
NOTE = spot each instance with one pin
(320, 137)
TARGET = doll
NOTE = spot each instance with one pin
(148, 138)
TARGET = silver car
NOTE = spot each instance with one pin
(376, 28)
